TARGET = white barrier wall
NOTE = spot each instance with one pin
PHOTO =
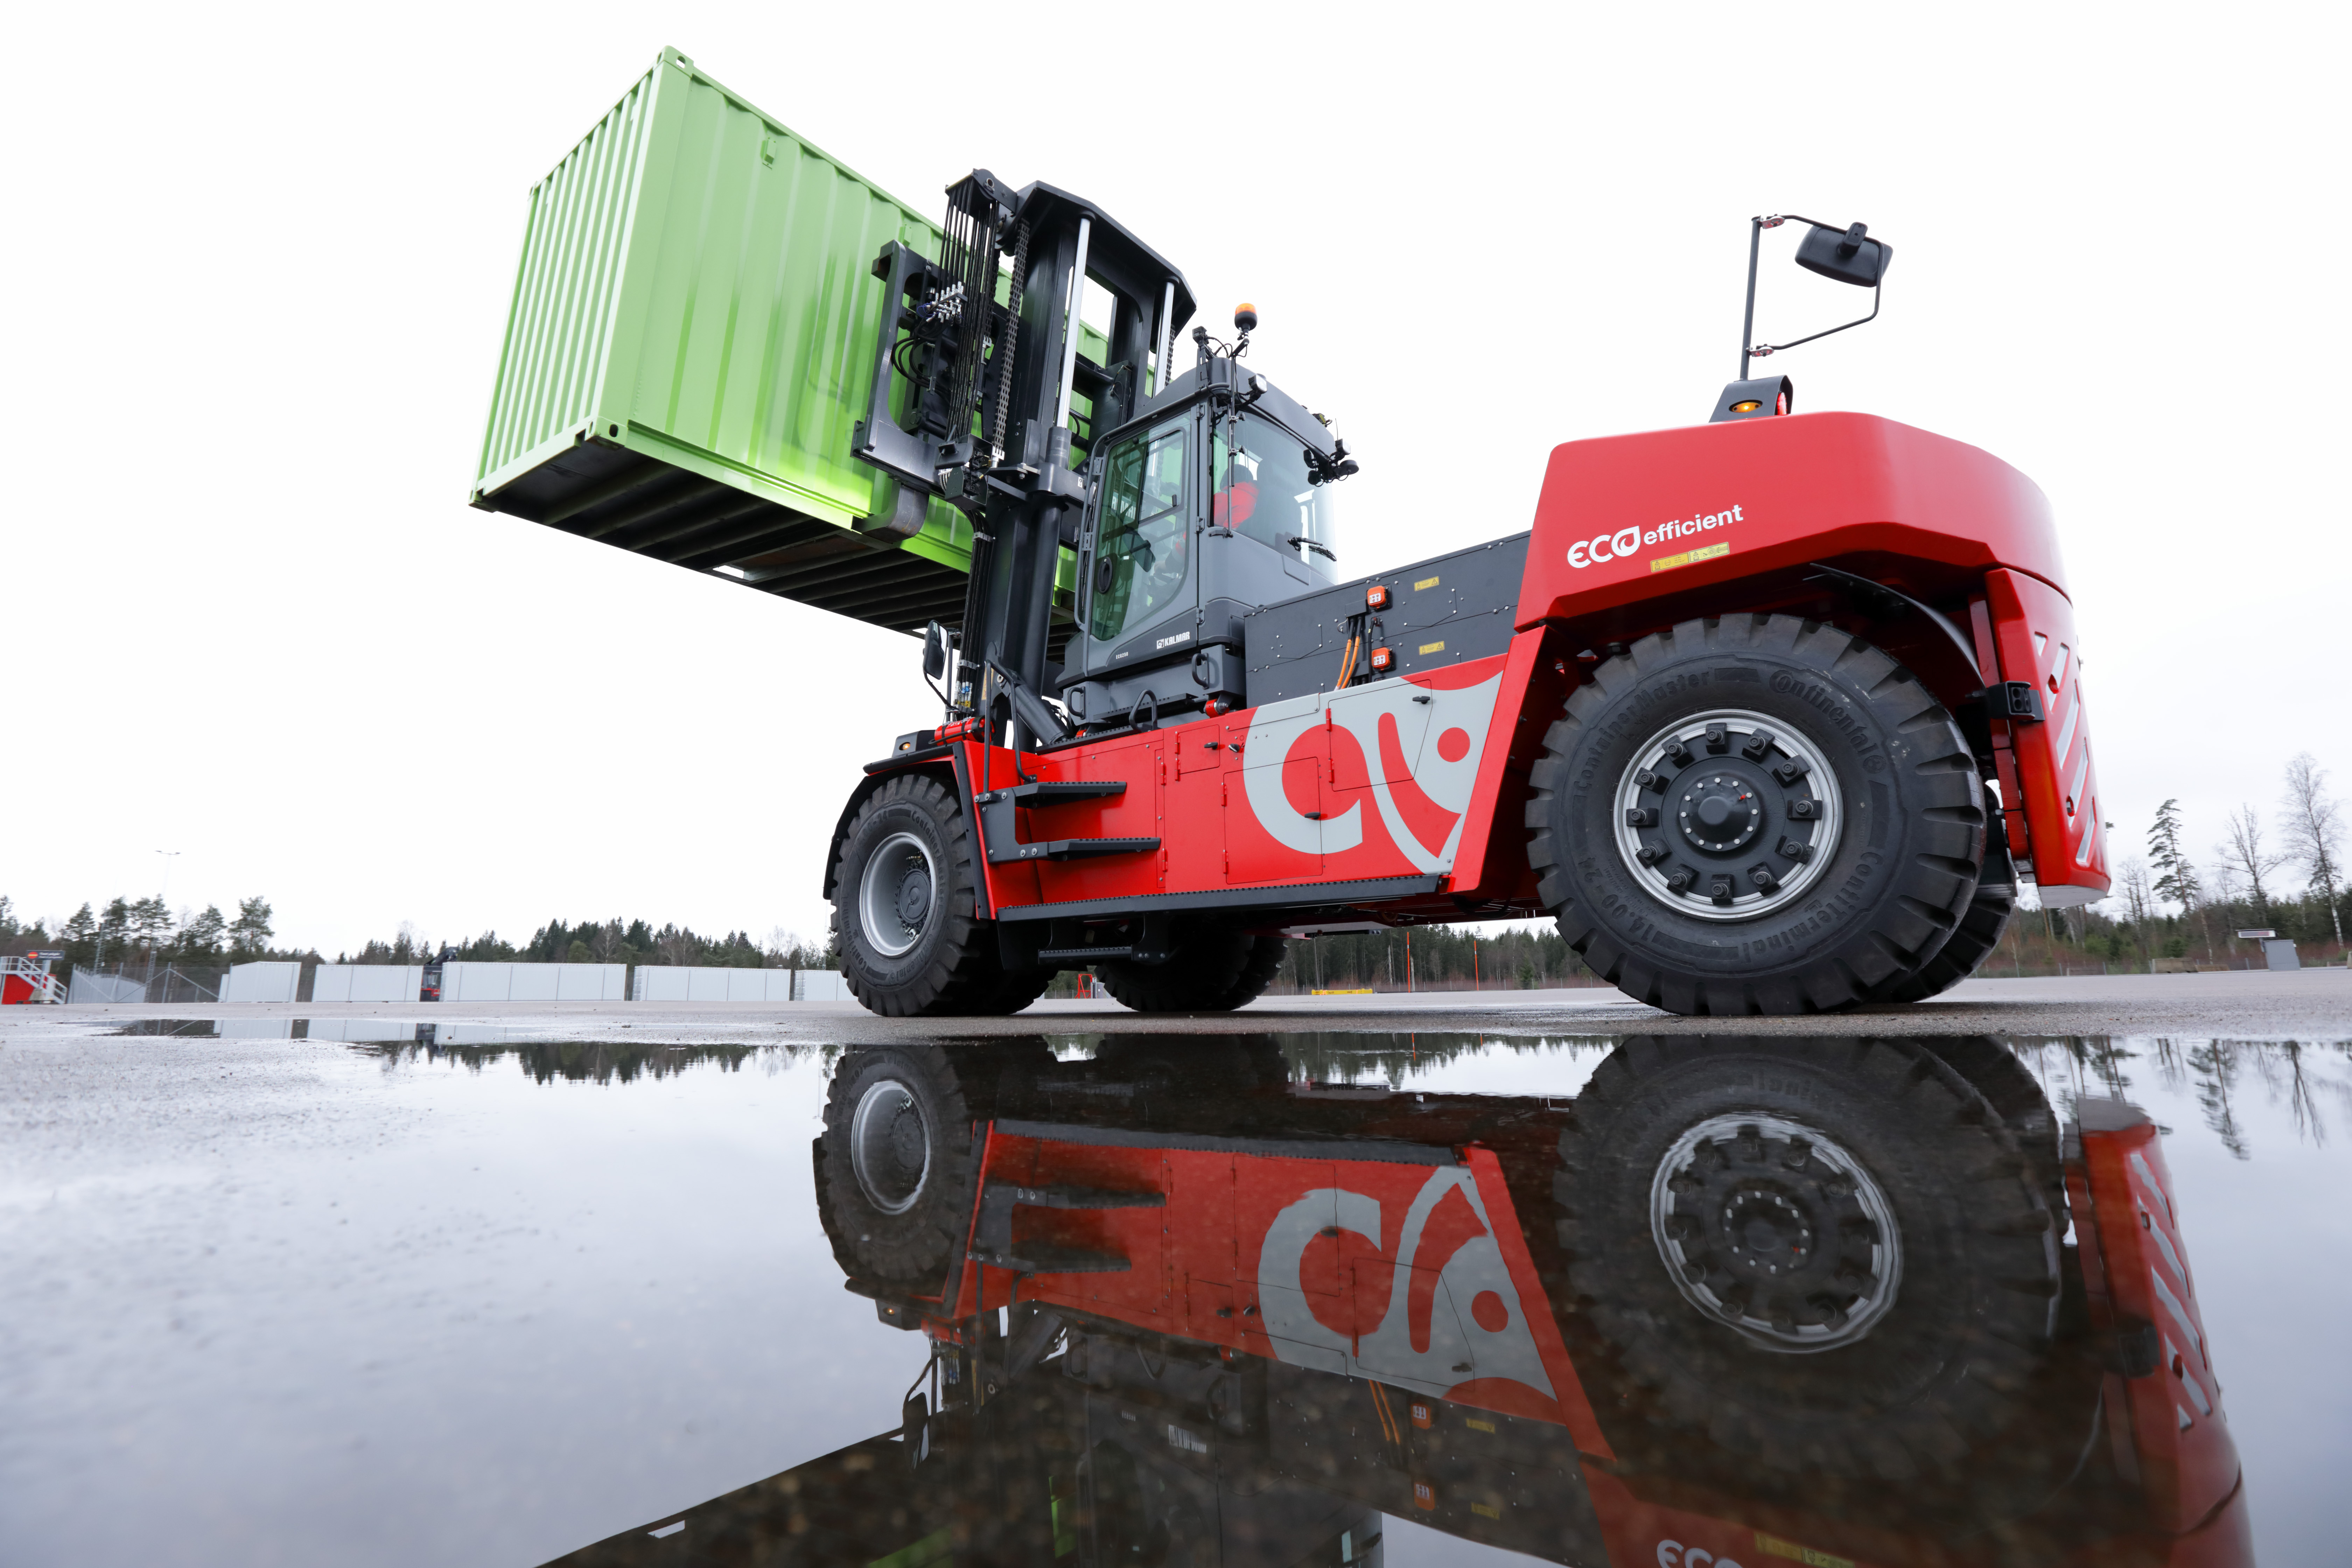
(367, 982)
(271, 980)
(706, 983)
(700, 982)
(821, 985)
(472, 982)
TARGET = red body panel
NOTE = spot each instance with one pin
(2033, 638)
(1413, 1273)
(14, 988)
(1370, 782)
(2135, 1266)
(1673, 510)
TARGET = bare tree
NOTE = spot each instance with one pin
(2244, 854)
(2311, 819)
(605, 945)
(2140, 901)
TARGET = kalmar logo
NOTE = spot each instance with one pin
(1617, 546)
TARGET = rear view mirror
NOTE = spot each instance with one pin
(1848, 256)
(935, 651)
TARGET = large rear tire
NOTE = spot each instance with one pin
(1755, 814)
(1810, 1268)
(903, 899)
(1214, 968)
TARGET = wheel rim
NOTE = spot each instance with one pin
(896, 894)
(1727, 816)
(890, 1146)
(1776, 1231)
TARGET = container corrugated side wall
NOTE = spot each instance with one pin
(696, 285)
(758, 313)
(560, 322)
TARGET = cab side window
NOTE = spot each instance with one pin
(1144, 547)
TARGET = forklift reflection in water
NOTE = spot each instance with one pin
(1746, 1302)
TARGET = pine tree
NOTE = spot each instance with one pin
(250, 934)
(2176, 879)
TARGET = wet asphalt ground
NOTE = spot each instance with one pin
(482, 1284)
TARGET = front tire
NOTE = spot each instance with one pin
(904, 892)
(1755, 814)
(896, 1166)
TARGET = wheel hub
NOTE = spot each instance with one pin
(1721, 813)
(1772, 1228)
(889, 1146)
(896, 894)
(1727, 816)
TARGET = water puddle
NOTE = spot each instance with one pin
(1696, 1302)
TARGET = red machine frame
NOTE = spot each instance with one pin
(1402, 798)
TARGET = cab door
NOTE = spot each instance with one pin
(1140, 582)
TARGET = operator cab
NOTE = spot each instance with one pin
(1215, 500)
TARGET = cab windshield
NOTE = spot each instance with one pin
(1143, 554)
(1260, 487)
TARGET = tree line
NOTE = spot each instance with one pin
(606, 942)
(143, 933)
(143, 930)
(2284, 874)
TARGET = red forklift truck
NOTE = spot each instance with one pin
(1770, 713)
(1740, 1301)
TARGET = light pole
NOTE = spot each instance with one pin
(163, 899)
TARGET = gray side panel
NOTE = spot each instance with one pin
(1441, 611)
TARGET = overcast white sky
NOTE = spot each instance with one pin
(259, 259)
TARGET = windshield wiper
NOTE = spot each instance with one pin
(1312, 544)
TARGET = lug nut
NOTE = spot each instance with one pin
(1755, 745)
(1641, 817)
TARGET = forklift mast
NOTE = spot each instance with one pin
(987, 371)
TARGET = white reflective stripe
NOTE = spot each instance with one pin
(2090, 842)
(2179, 1313)
(2188, 1381)
(2066, 731)
(2075, 786)
(2140, 1168)
(2059, 673)
(2165, 1246)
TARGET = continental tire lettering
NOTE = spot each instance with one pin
(1833, 708)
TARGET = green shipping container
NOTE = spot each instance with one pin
(687, 352)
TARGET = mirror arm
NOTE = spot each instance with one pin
(1760, 349)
